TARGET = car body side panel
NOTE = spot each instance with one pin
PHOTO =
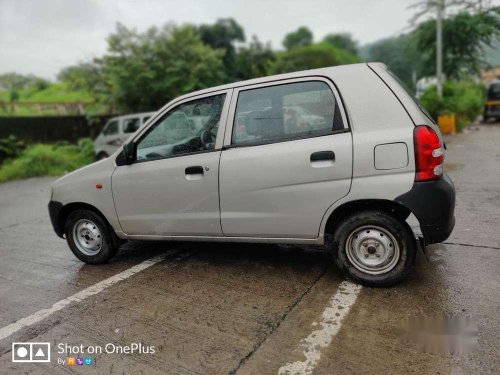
(158, 198)
(274, 190)
(417, 115)
(376, 117)
(80, 187)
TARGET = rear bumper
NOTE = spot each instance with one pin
(433, 204)
(54, 211)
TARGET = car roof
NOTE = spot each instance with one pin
(132, 115)
(311, 72)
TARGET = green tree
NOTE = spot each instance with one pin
(88, 77)
(18, 82)
(84, 76)
(254, 61)
(223, 35)
(400, 56)
(299, 38)
(464, 37)
(342, 41)
(312, 56)
(145, 70)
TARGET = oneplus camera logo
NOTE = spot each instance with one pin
(31, 352)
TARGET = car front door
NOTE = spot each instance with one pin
(172, 189)
(287, 159)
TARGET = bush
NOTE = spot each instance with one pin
(48, 160)
(10, 147)
(463, 98)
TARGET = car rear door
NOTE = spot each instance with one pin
(280, 171)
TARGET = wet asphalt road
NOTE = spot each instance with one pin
(243, 309)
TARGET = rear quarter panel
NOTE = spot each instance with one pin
(376, 117)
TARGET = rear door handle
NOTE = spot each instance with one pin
(194, 170)
(322, 156)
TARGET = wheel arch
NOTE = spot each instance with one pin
(71, 207)
(389, 207)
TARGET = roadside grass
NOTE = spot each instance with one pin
(33, 101)
(48, 160)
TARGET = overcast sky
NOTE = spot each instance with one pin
(43, 36)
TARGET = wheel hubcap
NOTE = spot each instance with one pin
(372, 249)
(87, 237)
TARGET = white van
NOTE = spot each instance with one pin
(117, 131)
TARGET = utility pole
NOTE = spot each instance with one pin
(439, 47)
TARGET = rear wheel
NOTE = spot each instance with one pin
(374, 248)
(89, 237)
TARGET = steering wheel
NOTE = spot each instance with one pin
(153, 155)
(207, 139)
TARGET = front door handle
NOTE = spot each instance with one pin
(322, 156)
(194, 170)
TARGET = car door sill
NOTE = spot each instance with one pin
(281, 240)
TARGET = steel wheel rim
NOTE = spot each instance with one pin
(372, 249)
(87, 237)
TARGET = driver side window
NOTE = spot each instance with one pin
(188, 128)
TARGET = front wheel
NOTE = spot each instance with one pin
(374, 248)
(89, 237)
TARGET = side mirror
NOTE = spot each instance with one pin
(129, 153)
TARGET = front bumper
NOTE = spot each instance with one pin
(54, 211)
(433, 204)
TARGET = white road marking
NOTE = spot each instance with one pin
(78, 297)
(337, 310)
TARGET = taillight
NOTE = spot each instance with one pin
(429, 155)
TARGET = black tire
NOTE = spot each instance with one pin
(109, 243)
(356, 225)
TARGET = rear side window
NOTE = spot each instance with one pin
(285, 112)
(111, 128)
(130, 125)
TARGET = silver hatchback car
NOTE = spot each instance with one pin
(338, 156)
